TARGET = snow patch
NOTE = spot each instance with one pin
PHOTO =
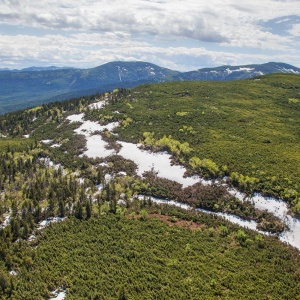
(55, 145)
(59, 295)
(6, 221)
(160, 162)
(48, 221)
(104, 164)
(75, 118)
(285, 70)
(97, 105)
(163, 201)
(49, 163)
(46, 141)
(122, 173)
(89, 127)
(13, 273)
(235, 219)
(229, 71)
(97, 147)
(279, 209)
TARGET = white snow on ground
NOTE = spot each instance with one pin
(46, 141)
(229, 71)
(291, 236)
(49, 163)
(44, 224)
(32, 237)
(88, 127)
(48, 221)
(235, 193)
(96, 147)
(276, 207)
(279, 209)
(108, 178)
(81, 180)
(6, 221)
(163, 201)
(235, 219)
(59, 295)
(94, 143)
(161, 162)
(97, 105)
(104, 164)
(76, 118)
(13, 272)
(99, 187)
(285, 70)
(55, 145)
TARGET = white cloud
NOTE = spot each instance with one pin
(93, 31)
(295, 30)
(89, 50)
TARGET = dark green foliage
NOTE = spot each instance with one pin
(148, 259)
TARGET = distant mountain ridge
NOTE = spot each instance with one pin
(237, 72)
(35, 69)
(51, 68)
(37, 85)
(24, 88)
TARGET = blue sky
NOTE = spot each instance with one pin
(177, 34)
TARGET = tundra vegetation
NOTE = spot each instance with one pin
(244, 132)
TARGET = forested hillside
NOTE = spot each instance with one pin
(78, 162)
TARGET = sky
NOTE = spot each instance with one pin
(181, 35)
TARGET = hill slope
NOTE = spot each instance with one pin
(67, 161)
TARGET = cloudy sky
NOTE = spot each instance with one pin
(178, 34)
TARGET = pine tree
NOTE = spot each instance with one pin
(88, 209)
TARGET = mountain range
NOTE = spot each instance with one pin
(38, 85)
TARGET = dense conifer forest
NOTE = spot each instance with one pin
(110, 244)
